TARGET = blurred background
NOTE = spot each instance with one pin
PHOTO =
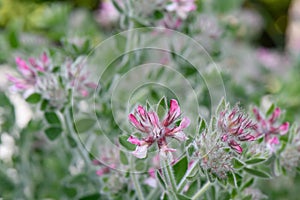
(256, 43)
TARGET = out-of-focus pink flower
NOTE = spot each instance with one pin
(156, 130)
(269, 128)
(271, 59)
(236, 126)
(79, 80)
(181, 7)
(29, 72)
(107, 14)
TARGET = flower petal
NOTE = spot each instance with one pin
(275, 115)
(140, 151)
(180, 136)
(135, 141)
(284, 128)
(185, 122)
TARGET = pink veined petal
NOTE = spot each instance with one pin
(134, 121)
(284, 128)
(174, 108)
(273, 140)
(44, 58)
(18, 83)
(173, 113)
(153, 118)
(35, 65)
(141, 112)
(224, 138)
(185, 122)
(23, 67)
(257, 114)
(235, 146)
(140, 151)
(247, 137)
(275, 115)
(135, 141)
(180, 136)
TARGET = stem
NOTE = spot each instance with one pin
(153, 194)
(202, 191)
(69, 128)
(168, 174)
(183, 181)
(136, 184)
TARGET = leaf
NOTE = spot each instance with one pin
(161, 180)
(180, 168)
(158, 14)
(116, 5)
(161, 107)
(52, 118)
(192, 189)
(235, 179)
(34, 98)
(257, 173)
(255, 161)
(270, 110)
(221, 106)
(237, 164)
(83, 125)
(182, 197)
(248, 184)
(127, 145)
(202, 126)
(71, 142)
(123, 158)
(53, 132)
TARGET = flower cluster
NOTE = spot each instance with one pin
(29, 72)
(157, 131)
(270, 128)
(51, 82)
(236, 127)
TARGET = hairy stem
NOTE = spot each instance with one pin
(69, 127)
(201, 191)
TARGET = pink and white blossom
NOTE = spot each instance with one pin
(270, 127)
(236, 127)
(156, 130)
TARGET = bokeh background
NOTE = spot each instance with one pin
(256, 43)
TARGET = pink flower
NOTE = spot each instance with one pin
(270, 127)
(157, 130)
(181, 7)
(79, 79)
(107, 14)
(235, 127)
(29, 72)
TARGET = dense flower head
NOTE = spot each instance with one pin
(156, 130)
(270, 128)
(235, 127)
(212, 154)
